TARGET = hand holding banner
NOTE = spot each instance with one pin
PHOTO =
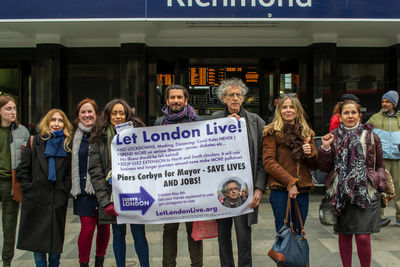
(182, 172)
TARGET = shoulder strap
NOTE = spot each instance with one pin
(287, 210)
(297, 210)
(374, 150)
(31, 141)
(296, 206)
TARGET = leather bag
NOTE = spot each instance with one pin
(389, 192)
(16, 187)
(15, 184)
(326, 212)
(290, 248)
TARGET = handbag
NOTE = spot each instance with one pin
(390, 192)
(16, 187)
(290, 248)
(15, 184)
(204, 230)
(326, 212)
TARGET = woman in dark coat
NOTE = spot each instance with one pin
(45, 176)
(85, 201)
(352, 154)
(116, 112)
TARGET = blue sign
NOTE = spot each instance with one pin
(138, 201)
(199, 9)
(342, 9)
(72, 9)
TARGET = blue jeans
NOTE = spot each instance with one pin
(41, 261)
(140, 241)
(278, 200)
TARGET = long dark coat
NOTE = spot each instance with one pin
(44, 203)
(255, 126)
(99, 167)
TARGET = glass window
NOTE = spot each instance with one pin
(9, 85)
(366, 81)
(100, 82)
(9, 82)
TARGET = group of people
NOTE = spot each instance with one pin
(75, 158)
(54, 164)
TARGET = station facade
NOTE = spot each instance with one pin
(55, 56)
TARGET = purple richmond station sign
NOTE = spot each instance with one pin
(143, 10)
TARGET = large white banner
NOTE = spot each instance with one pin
(181, 172)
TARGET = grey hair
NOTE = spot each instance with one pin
(233, 82)
(231, 180)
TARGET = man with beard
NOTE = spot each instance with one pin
(177, 110)
(387, 127)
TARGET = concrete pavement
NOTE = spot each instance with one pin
(322, 241)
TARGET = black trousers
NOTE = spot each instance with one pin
(170, 245)
(243, 236)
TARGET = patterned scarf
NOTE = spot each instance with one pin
(173, 118)
(54, 148)
(76, 186)
(351, 169)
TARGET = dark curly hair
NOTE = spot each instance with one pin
(104, 120)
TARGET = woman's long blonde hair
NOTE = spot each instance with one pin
(45, 132)
(277, 122)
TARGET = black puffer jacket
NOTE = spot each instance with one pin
(99, 167)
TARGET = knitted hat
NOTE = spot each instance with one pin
(392, 96)
(349, 97)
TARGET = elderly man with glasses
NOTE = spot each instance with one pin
(232, 92)
(231, 191)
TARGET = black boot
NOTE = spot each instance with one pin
(84, 264)
(99, 261)
(384, 221)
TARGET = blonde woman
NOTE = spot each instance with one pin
(288, 155)
(45, 175)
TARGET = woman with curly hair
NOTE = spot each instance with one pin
(288, 155)
(45, 176)
(116, 112)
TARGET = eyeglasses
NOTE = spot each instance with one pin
(230, 96)
(233, 189)
(288, 94)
